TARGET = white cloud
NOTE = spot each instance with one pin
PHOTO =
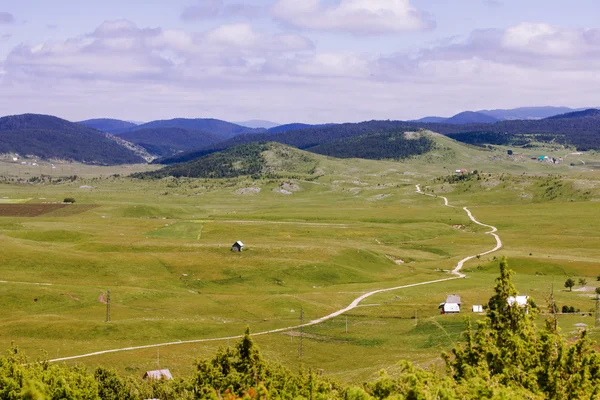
(355, 16)
(535, 45)
(235, 71)
(120, 50)
(544, 39)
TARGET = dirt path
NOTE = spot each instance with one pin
(456, 272)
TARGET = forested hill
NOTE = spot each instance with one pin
(164, 142)
(377, 146)
(301, 138)
(580, 129)
(50, 137)
(107, 125)
(253, 159)
(222, 129)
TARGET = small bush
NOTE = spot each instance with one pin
(69, 200)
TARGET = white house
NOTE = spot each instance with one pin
(451, 305)
(158, 374)
(477, 308)
(521, 300)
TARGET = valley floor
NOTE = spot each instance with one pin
(162, 248)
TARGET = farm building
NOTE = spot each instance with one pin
(520, 300)
(158, 374)
(477, 308)
(451, 305)
(237, 246)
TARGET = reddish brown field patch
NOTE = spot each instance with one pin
(35, 210)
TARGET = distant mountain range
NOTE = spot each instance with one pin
(491, 116)
(257, 123)
(168, 137)
(108, 125)
(581, 129)
(181, 140)
(50, 137)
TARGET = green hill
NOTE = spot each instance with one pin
(50, 137)
(387, 145)
(253, 159)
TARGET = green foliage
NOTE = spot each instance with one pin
(254, 159)
(598, 290)
(22, 380)
(507, 349)
(69, 200)
(569, 284)
(376, 146)
(582, 281)
(237, 161)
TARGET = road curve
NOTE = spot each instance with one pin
(456, 272)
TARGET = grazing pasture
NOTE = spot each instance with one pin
(163, 250)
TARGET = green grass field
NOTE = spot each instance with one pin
(163, 250)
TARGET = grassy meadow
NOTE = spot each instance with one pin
(162, 248)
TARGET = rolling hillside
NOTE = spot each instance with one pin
(221, 129)
(378, 146)
(301, 138)
(50, 137)
(254, 159)
(169, 141)
(108, 125)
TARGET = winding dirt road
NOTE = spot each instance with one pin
(456, 272)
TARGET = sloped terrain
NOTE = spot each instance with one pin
(254, 159)
(163, 142)
(50, 137)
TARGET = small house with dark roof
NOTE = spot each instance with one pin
(237, 246)
(158, 374)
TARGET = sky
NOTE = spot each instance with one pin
(285, 61)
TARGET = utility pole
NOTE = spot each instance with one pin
(346, 324)
(597, 322)
(108, 306)
(301, 348)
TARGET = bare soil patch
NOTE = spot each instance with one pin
(35, 210)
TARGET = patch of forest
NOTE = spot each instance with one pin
(386, 145)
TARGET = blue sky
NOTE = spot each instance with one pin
(291, 60)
